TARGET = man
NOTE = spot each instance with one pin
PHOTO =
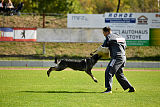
(116, 45)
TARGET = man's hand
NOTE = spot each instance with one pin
(101, 51)
(93, 53)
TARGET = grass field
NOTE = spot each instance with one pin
(32, 88)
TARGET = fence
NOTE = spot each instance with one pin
(33, 20)
(98, 64)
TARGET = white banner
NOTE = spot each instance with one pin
(133, 33)
(85, 20)
(145, 20)
(118, 20)
(135, 27)
(69, 35)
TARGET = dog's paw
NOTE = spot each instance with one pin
(96, 81)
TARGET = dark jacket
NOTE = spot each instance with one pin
(116, 44)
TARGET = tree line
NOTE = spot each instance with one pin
(87, 6)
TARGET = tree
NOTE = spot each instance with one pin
(87, 6)
(50, 6)
(97, 6)
(57, 6)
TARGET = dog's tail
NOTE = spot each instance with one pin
(55, 60)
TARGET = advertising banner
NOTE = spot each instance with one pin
(135, 27)
(120, 19)
(134, 36)
(149, 20)
(85, 20)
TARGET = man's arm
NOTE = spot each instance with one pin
(102, 49)
(105, 43)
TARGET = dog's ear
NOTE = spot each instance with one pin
(55, 60)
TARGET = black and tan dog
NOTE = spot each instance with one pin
(81, 65)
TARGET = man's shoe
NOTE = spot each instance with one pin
(131, 89)
(107, 91)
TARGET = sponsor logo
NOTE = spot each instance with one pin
(120, 15)
(156, 20)
(120, 18)
(79, 18)
(135, 34)
(143, 20)
(157, 15)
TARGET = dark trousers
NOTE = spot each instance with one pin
(115, 66)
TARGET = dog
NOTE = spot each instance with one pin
(81, 65)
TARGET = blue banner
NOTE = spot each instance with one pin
(120, 20)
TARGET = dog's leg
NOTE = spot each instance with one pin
(57, 68)
(90, 74)
(89, 66)
(61, 65)
(90, 62)
(50, 69)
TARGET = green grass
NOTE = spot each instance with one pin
(32, 88)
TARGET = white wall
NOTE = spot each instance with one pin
(69, 35)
